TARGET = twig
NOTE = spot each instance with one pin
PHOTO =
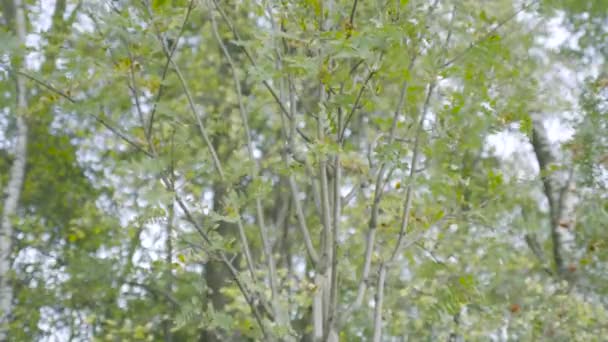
(409, 192)
(487, 35)
(166, 67)
(290, 137)
(269, 87)
(233, 271)
(406, 207)
(154, 290)
(370, 238)
(186, 89)
(216, 161)
(248, 55)
(355, 105)
(254, 172)
(353, 10)
(116, 131)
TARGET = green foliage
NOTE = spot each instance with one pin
(127, 229)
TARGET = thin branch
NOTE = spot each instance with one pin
(269, 87)
(254, 170)
(233, 271)
(373, 221)
(355, 105)
(399, 245)
(186, 89)
(310, 249)
(156, 291)
(248, 55)
(415, 154)
(407, 205)
(327, 235)
(353, 10)
(487, 35)
(378, 192)
(218, 167)
(350, 195)
(159, 94)
(337, 206)
(132, 85)
(101, 120)
(377, 329)
(295, 192)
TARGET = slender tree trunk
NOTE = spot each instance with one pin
(12, 192)
(216, 273)
(168, 322)
(558, 186)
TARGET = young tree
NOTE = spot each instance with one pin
(312, 170)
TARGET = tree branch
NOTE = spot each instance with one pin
(377, 329)
(159, 94)
(186, 89)
(129, 140)
(486, 36)
(254, 174)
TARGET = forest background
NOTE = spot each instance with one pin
(318, 170)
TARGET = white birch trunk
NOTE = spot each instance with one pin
(12, 191)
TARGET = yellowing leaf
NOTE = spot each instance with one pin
(181, 257)
(157, 4)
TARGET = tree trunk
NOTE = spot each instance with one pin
(216, 273)
(558, 186)
(12, 192)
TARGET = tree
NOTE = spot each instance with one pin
(315, 170)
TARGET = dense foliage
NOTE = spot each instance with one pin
(303, 170)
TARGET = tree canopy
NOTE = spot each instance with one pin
(317, 170)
